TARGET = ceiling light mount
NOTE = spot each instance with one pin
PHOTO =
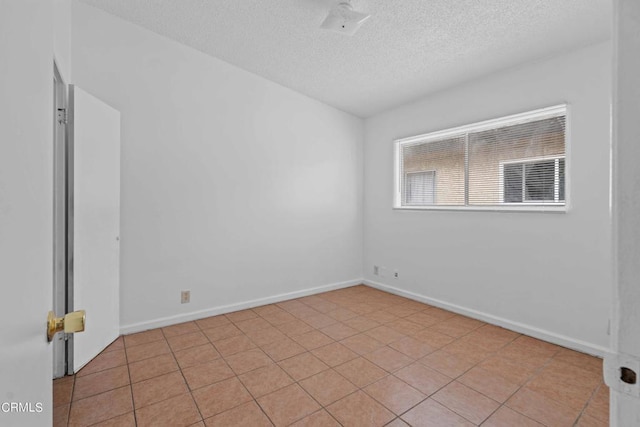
(343, 19)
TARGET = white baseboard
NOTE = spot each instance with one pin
(195, 315)
(522, 328)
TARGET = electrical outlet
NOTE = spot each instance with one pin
(396, 274)
(376, 270)
(185, 297)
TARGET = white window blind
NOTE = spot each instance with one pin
(444, 160)
(513, 161)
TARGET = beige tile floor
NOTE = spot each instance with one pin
(351, 357)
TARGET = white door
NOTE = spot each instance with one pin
(26, 214)
(95, 215)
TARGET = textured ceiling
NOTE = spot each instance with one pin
(407, 49)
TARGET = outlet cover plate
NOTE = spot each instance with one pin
(185, 297)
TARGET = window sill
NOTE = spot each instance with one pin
(507, 208)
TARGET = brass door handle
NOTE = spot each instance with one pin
(70, 323)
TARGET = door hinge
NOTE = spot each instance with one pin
(62, 116)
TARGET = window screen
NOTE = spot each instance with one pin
(518, 160)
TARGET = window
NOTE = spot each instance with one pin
(420, 189)
(516, 162)
(533, 181)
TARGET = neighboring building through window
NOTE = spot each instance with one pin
(420, 188)
(505, 163)
(533, 181)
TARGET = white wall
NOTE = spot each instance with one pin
(232, 186)
(26, 201)
(547, 274)
(62, 37)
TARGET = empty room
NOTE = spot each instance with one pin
(320, 213)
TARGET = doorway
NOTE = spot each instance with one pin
(86, 217)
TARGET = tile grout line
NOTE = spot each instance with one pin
(295, 382)
(73, 389)
(533, 375)
(491, 354)
(183, 377)
(454, 379)
(236, 376)
(357, 388)
(477, 363)
(293, 379)
(391, 373)
(133, 402)
(396, 416)
(97, 394)
(529, 378)
(582, 411)
(187, 382)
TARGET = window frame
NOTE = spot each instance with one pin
(463, 131)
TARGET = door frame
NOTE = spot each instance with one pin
(60, 220)
(625, 225)
(63, 166)
(70, 223)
